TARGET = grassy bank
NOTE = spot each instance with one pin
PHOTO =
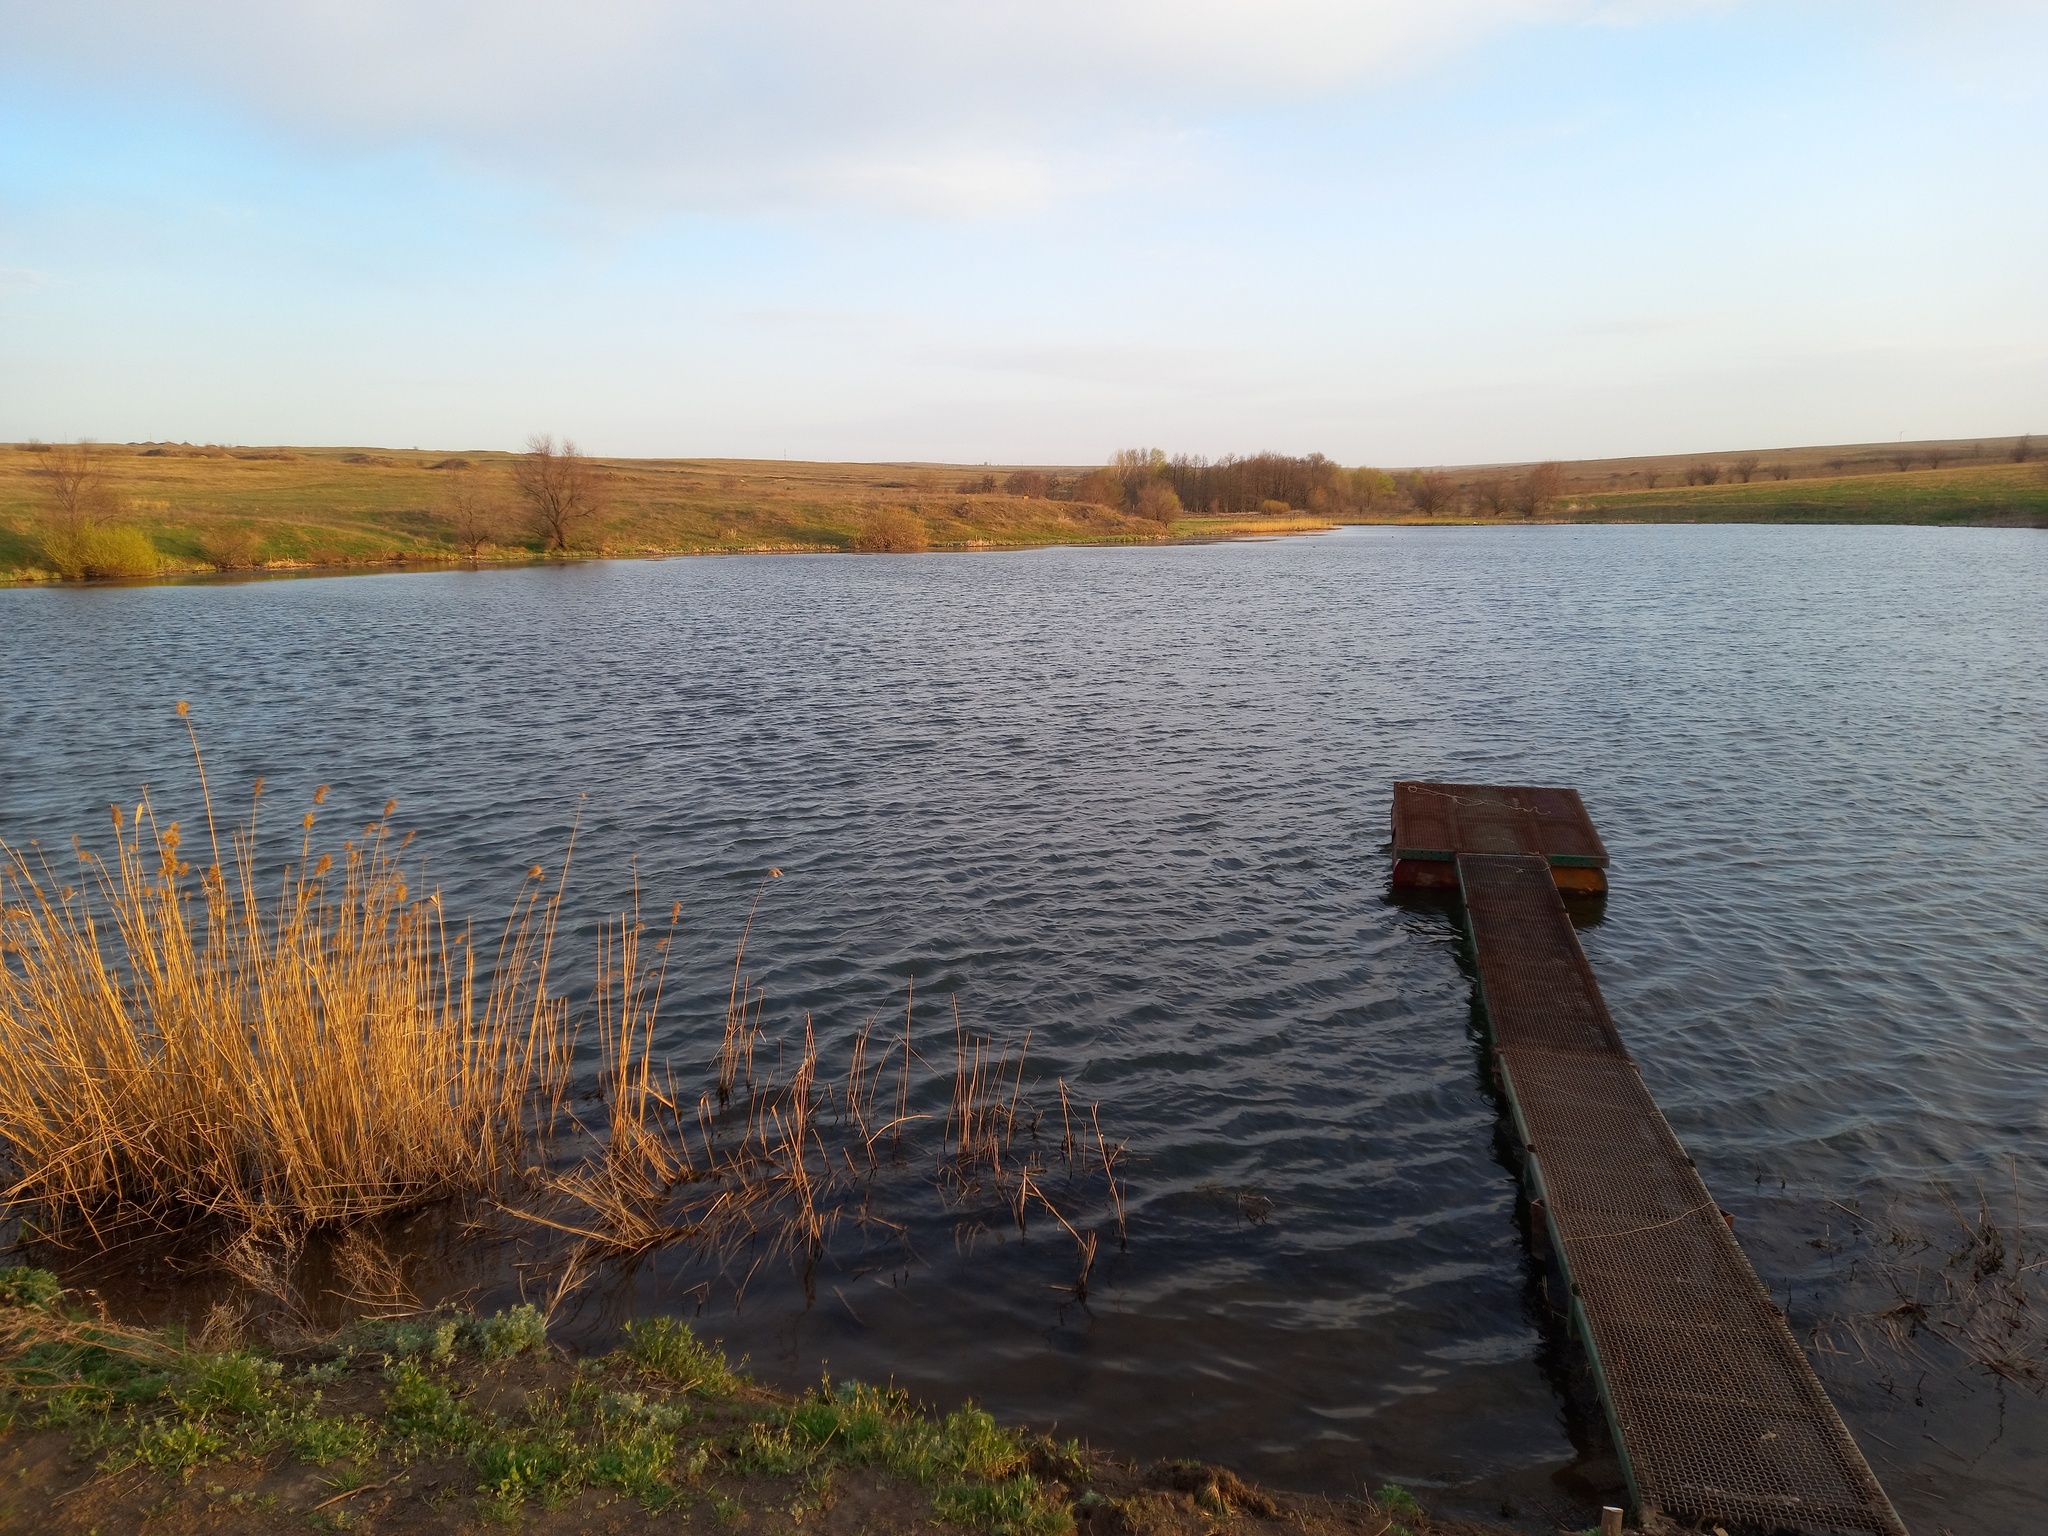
(449, 1421)
(2009, 494)
(205, 509)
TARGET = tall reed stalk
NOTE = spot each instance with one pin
(175, 1045)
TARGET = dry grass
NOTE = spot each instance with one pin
(179, 1050)
(783, 1157)
(176, 1046)
(1973, 1284)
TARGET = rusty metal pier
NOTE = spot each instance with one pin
(1717, 1416)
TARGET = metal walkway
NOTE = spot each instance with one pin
(1716, 1413)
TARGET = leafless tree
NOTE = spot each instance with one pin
(1780, 470)
(1744, 467)
(1539, 489)
(1492, 495)
(1432, 493)
(1651, 477)
(78, 492)
(1104, 487)
(560, 488)
(1936, 457)
(2022, 449)
(1902, 459)
(475, 510)
(1028, 482)
(1703, 473)
(1838, 465)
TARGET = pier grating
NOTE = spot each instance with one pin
(1716, 1411)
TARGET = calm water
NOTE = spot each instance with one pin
(1135, 800)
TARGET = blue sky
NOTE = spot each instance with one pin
(1392, 231)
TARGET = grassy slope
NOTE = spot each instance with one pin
(1997, 493)
(315, 507)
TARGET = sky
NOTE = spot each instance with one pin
(1025, 231)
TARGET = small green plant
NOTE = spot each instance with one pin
(664, 1347)
(22, 1286)
(322, 1441)
(179, 1445)
(237, 1383)
(424, 1412)
(1396, 1500)
(498, 1337)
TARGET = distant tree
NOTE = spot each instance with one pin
(1837, 465)
(560, 488)
(1372, 487)
(1538, 490)
(1157, 501)
(475, 509)
(1704, 472)
(1903, 459)
(1104, 487)
(1493, 495)
(1028, 482)
(2022, 449)
(977, 485)
(78, 493)
(1744, 467)
(1936, 457)
(1651, 477)
(1432, 492)
(1780, 469)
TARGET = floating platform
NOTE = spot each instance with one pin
(1434, 823)
(1717, 1415)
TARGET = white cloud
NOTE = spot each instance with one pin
(939, 107)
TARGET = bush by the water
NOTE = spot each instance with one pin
(99, 551)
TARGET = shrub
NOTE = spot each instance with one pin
(99, 552)
(890, 531)
(1158, 502)
(235, 547)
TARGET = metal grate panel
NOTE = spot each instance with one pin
(1718, 1411)
(1534, 981)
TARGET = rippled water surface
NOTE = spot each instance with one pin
(1135, 800)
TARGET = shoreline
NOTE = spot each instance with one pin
(437, 1421)
(285, 570)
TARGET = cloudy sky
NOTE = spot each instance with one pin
(1396, 231)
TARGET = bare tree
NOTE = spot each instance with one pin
(1651, 478)
(1432, 493)
(1703, 473)
(1492, 495)
(1028, 482)
(1539, 489)
(2023, 449)
(1902, 459)
(78, 493)
(1744, 467)
(475, 510)
(1781, 470)
(560, 488)
(1936, 457)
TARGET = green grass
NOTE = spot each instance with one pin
(333, 507)
(661, 1421)
(1966, 495)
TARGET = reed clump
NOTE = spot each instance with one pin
(769, 1161)
(178, 1045)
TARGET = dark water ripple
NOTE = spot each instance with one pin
(1135, 800)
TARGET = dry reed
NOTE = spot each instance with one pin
(174, 1046)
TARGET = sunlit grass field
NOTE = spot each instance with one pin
(1977, 493)
(366, 508)
(369, 507)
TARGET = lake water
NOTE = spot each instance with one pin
(1135, 800)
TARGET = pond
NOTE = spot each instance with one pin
(1134, 800)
